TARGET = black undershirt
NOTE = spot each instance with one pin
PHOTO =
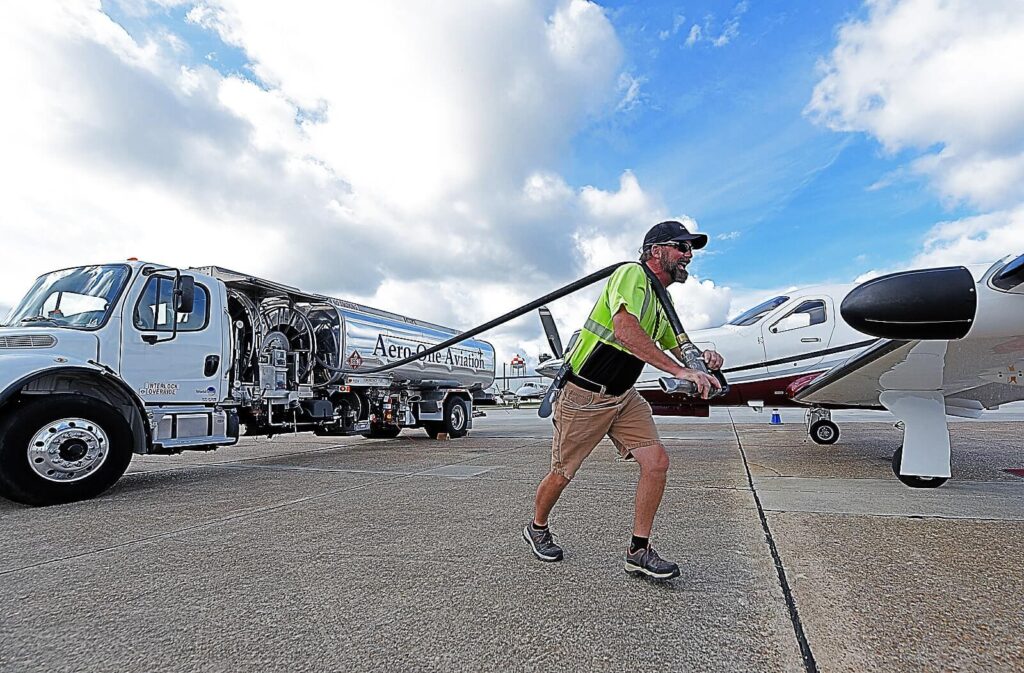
(616, 370)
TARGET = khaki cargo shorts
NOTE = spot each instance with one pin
(582, 419)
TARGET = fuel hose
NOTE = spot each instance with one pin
(667, 383)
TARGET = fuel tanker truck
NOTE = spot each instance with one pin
(100, 362)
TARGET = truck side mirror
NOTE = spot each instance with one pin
(184, 294)
(792, 321)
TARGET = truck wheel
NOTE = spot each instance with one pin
(61, 448)
(382, 431)
(456, 420)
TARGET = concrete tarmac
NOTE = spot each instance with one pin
(301, 553)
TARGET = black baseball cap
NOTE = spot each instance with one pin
(669, 231)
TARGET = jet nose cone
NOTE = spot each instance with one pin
(549, 368)
(922, 304)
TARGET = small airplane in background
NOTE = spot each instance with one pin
(530, 391)
(922, 344)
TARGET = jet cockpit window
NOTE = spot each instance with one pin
(806, 313)
(815, 308)
(751, 316)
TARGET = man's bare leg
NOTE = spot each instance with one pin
(537, 534)
(653, 461)
(548, 492)
(641, 559)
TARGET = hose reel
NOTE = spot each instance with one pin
(290, 331)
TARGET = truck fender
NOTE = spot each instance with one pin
(103, 385)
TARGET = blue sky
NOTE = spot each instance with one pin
(454, 160)
(721, 134)
(719, 131)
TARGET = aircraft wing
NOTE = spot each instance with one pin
(855, 383)
(972, 374)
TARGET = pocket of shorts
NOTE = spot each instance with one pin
(563, 410)
(576, 399)
(593, 403)
(610, 403)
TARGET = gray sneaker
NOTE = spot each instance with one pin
(542, 543)
(647, 562)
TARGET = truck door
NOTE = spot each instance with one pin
(804, 329)
(186, 369)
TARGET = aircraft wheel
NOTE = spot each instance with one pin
(824, 432)
(912, 480)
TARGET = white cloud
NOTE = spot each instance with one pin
(423, 105)
(701, 303)
(942, 81)
(981, 239)
(924, 74)
(984, 238)
(376, 142)
(730, 29)
(694, 35)
(629, 88)
(678, 21)
(728, 236)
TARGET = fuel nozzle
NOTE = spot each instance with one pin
(693, 358)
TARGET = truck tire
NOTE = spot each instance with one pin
(382, 431)
(61, 448)
(456, 418)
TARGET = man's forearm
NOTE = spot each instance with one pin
(629, 333)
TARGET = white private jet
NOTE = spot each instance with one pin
(922, 344)
(530, 391)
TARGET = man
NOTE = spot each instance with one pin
(626, 329)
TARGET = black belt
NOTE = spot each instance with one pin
(590, 386)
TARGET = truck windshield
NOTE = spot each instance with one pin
(81, 298)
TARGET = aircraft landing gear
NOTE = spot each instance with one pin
(913, 480)
(820, 427)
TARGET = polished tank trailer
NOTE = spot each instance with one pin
(320, 352)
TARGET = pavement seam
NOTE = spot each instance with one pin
(806, 654)
(185, 466)
(237, 515)
(868, 515)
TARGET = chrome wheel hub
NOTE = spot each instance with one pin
(68, 449)
(458, 416)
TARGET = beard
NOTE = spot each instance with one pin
(677, 271)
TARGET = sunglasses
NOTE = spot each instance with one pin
(681, 246)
